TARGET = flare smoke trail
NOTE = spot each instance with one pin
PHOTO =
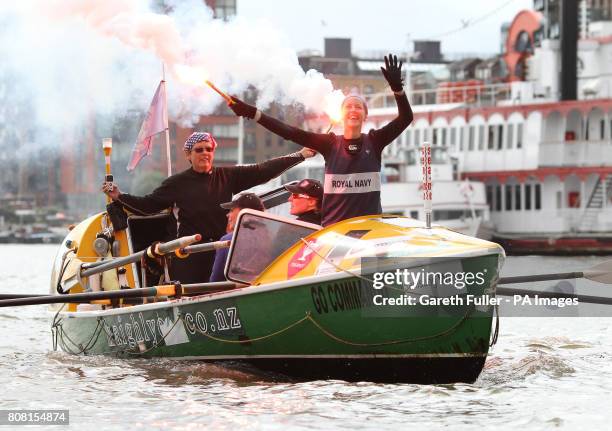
(72, 58)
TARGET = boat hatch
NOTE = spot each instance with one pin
(258, 240)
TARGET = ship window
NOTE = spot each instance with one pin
(412, 157)
(461, 137)
(453, 137)
(517, 197)
(481, 137)
(498, 198)
(538, 197)
(523, 43)
(449, 214)
(519, 135)
(444, 137)
(436, 131)
(528, 196)
(491, 142)
(417, 138)
(439, 156)
(510, 137)
(408, 138)
(500, 137)
(508, 205)
(471, 132)
(489, 193)
(602, 129)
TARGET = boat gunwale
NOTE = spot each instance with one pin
(254, 289)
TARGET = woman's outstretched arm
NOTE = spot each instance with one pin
(317, 141)
(393, 74)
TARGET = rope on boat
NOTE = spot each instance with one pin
(387, 343)
(496, 330)
(54, 327)
(82, 349)
(329, 334)
(250, 340)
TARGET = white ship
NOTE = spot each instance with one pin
(543, 153)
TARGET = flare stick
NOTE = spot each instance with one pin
(221, 93)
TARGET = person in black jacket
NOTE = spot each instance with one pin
(305, 200)
(353, 160)
(197, 193)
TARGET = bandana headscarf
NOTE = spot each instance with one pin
(196, 137)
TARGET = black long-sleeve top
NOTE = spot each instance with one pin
(198, 195)
(352, 166)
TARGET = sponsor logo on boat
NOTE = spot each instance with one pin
(340, 296)
(302, 258)
(137, 332)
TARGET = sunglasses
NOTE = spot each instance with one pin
(200, 150)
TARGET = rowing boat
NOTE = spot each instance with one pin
(301, 301)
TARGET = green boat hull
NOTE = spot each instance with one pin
(323, 329)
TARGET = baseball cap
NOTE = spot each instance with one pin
(245, 200)
(308, 187)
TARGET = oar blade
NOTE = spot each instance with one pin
(601, 273)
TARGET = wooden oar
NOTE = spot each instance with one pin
(601, 273)
(157, 291)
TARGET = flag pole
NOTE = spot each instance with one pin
(167, 131)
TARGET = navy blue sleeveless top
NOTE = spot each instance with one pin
(352, 179)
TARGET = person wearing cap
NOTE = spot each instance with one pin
(353, 160)
(305, 200)
(240, 202)
(197, 193)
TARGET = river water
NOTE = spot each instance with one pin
(543, 373)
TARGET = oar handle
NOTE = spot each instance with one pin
(209, 246)
(184, 241)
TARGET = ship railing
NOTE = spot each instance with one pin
(575, 153)
(472, 95)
